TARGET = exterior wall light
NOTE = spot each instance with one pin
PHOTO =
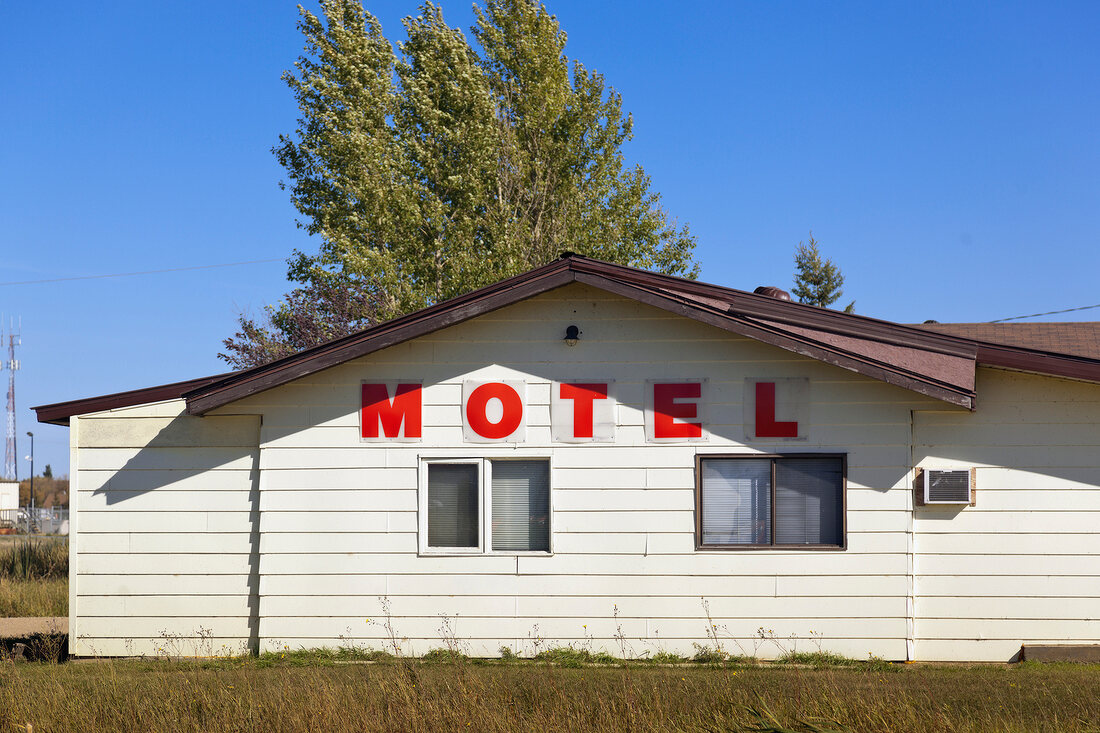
(572, 336)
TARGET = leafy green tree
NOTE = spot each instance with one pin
(434, 170)
(817, 281)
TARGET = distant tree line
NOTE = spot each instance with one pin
(48, 491)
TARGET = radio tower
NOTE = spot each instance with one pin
(12, 365)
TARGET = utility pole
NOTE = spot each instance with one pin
(31, 456)
(11, 470)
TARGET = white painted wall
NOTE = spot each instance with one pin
(1023, 565)
(9, 495)
(162, 542)
(338, 517)
(166, 504)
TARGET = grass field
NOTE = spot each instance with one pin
(34, 576)
(7, 540)
(34, 598)
(296, 693)
(559, 692)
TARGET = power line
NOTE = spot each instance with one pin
(143, 272)
(280, 259)
(1048, 313)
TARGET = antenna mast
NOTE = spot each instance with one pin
(12, 365)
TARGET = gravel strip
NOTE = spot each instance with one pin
(20, 628)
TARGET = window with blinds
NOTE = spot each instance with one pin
(521, 505)
(771, 501)
(453, 505)
(513, 494)
(737, 496)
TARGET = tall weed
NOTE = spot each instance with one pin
(35, 559)
(247, 695)
(33, 598)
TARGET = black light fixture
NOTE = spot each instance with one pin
(572, 336)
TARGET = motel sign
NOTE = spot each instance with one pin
(582, 411)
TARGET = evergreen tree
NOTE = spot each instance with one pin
(817, 281)
(433, 171)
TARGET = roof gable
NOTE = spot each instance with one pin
(938, 365)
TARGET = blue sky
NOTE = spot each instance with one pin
(945, 155)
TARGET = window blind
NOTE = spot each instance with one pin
(736, 502)
(453, 505)
(807, 501)
(521, 505)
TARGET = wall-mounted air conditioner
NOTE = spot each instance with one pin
(947, 487)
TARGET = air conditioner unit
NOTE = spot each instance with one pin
(947, 487)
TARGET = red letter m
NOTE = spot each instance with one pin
(378, 410)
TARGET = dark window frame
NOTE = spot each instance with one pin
(773, 457)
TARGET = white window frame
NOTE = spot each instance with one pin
(485, 506)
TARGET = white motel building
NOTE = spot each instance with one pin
(590, 454)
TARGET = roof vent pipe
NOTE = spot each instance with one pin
(773, 292)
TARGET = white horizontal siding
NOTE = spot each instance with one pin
(1014, 628)
(1008, 607)
(110, 432)
(133, 479)
(110, 520)
(338, 516)
(325, 525)
(1005, 564)
(329, 500)
(768, 563)
(166, 514)
(565, 543)
(165, 606)
(1049, 544)
(1047, 519)
(142, 629)
(611, 587)
(571, 628)
(174, 543)
(238, 499)
(338, 521)
(1022, 565)
(1020, 585)
(133, 563)
(166, 459)
(169, 645)
(585, 607)
(166, 585)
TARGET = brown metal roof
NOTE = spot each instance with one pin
(874, 356)
(60, 412)
(931, 361)
(1079, 339)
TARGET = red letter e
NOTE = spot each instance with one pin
(666, 409)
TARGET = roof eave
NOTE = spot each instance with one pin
(732, 310)
(243, 384)
(59, 413)
(1039, 362)
(952, 394)
(764, 306)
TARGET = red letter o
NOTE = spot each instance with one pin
(510, 418)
